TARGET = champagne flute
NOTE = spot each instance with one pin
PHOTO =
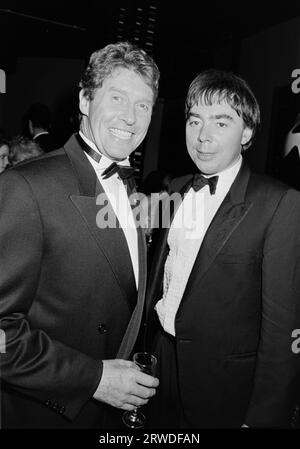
(147, 364)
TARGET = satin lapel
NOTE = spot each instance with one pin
(231, 213)
(111, 241)
(84, 172)
(136, 318)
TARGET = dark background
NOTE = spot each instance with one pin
(45, 46)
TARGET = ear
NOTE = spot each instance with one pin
(84, 103)
(246, 136)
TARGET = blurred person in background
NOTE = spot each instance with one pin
(23, 148)
(38, 119)
(4, 152)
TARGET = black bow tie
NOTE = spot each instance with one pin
(124, 172)
(199, 181)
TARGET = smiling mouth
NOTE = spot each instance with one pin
(121, 133)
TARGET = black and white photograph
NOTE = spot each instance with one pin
(149, 220)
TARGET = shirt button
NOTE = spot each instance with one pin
(102, 328)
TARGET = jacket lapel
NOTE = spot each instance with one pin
(111, 242)
(136, 318)
(231, 213)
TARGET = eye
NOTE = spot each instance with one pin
(117, 99)
(193, 122)
(143, 107)
(222, 125)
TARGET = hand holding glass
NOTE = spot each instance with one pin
(147, 364)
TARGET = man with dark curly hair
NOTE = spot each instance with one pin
(72, 286)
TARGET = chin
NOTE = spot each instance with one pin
(122, 151)
(207, 170)
(118, 155)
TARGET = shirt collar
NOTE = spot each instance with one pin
(40, 134)
(231, 171)
(104, 161)
(227, 176)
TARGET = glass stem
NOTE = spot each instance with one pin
(134, 414)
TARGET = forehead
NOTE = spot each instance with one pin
(129, 82)
(215, 107)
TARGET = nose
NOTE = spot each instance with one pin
(128, 114)
(204, 133)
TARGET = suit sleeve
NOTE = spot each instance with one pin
(33, 363)
(276, 385)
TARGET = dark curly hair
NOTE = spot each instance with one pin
(122, 54)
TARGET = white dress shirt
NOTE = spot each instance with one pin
(117, 195)
(186, 234)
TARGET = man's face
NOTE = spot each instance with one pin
(214, 136)
(118, 117)
(4, 151)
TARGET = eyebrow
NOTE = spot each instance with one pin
(223, 116)
(117, 89)
(217, 116)
(124, 92)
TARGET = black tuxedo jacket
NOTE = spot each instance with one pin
(240, 307)
(67, 293)
(289, 170)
